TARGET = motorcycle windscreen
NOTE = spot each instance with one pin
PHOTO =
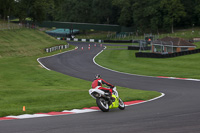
(114, 104)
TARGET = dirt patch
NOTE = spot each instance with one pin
(40, 66)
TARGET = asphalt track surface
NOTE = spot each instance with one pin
(177, 112)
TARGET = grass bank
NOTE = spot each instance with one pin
(23, 82)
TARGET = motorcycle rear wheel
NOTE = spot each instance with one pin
(102, 104)
(121, 104)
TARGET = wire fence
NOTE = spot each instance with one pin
(6, 26)
(10, 26)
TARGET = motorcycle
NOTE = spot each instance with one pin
(105, 101)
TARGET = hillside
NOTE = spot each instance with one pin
(25, 42)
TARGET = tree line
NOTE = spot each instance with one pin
(144, 15)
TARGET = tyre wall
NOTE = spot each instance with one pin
(158, 55)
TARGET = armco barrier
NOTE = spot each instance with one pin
(99, 41)
(81, 40)
(48, 50)
(133, 47)
(159, 55)
(137, 48)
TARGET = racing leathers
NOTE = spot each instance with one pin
(97, 83)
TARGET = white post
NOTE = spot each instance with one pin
(8, 22)
(172, 47)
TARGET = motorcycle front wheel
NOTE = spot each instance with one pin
(102, 104)
(121, 104)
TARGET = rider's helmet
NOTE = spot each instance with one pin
(97, 76)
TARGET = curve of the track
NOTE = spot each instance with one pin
(177, 112)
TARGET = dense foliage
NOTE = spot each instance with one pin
(145, 15)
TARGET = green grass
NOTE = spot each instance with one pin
(125, 61)
(23, 82)
(197, 44)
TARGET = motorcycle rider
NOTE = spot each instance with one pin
(97, 83)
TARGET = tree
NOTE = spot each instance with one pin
(147, 15)
(74, 11)
(6, 8)
(197, 12)
(190, 18)
(39, 9)
(102, 11)
(22, 9)
(138, 16)
(125, 12)
(50, 10)
(57, 10)
(174, 11)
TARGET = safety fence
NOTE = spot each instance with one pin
(80, 40)
(164, 55)
(9, 26)
(48, 50)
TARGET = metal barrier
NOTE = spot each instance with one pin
(48, 50)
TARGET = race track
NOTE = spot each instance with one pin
(177, 112)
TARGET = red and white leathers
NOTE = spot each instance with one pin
(97, 83)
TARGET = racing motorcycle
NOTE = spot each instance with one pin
(105, 101)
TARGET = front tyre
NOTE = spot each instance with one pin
(102, 104)
(121, 104)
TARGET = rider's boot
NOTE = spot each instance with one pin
(112, 98)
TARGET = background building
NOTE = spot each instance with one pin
(171, 45)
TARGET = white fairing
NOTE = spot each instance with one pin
(102, 92)
(115, 92)
(97, 91)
